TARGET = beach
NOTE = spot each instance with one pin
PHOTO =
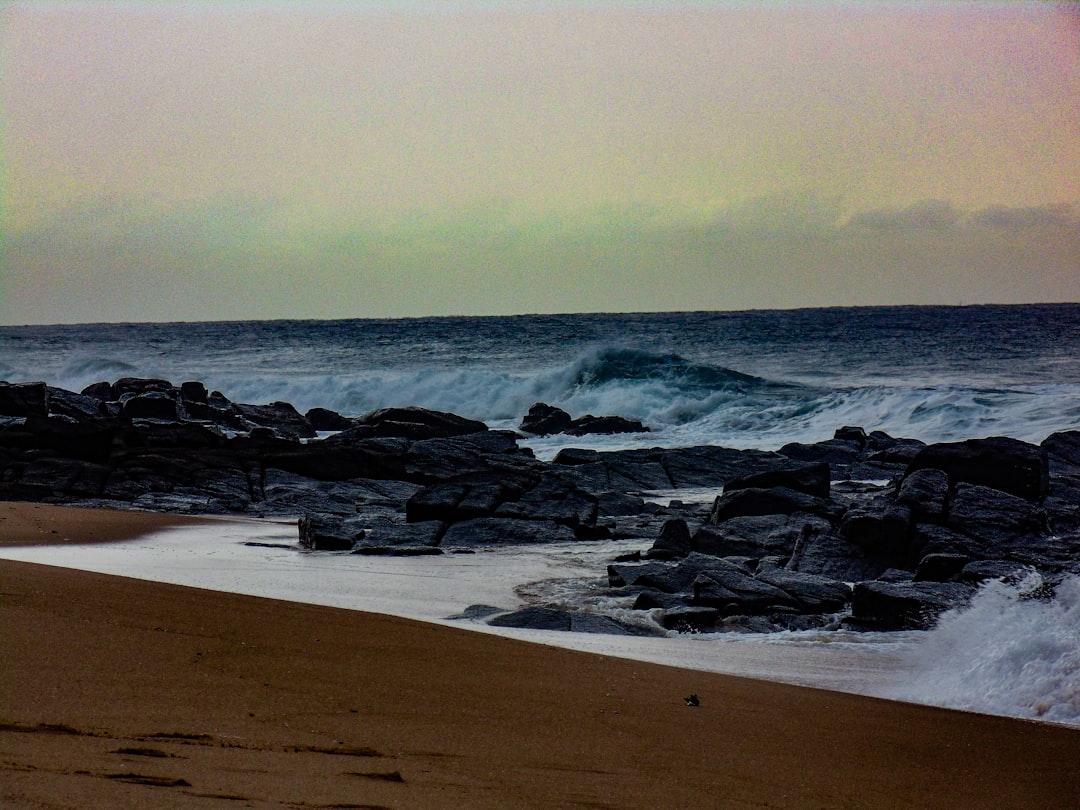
(119, 692)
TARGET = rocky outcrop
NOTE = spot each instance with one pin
(544, 420)
(799, 538)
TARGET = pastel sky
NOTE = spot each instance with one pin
(226, 160)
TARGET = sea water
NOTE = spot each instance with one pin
(739, 379)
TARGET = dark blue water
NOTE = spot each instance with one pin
(737, 378)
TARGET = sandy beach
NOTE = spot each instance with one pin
(116, 692)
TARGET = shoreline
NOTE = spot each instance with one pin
(276, 703)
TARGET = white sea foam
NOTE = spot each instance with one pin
(1006, 653)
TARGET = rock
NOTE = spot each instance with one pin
(281, 417)
(777, 501)
(997, 521)
(136, 386)
(400, 540)
(504, 532)
(1001, 463)
(881, 527)
(419, 423)
(544, 420)
(851, 435)
(324, 419)
(979, 571)
(756, 536)
(810, 479)
(195, 392)
(590, 424)
(833, 451)
(735, 585)
(534, 618)
(813, 593)
(925, 493)
(322, 533)
(688, 618)
(76, 406)
(897, 606)
(940, 567)
(163, 405)
(1063, 451)
(674, 541)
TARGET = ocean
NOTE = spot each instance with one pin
(740, 379)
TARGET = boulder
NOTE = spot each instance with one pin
(281, 417)
(754, 501)
(419, 423)
(810, 479)
(164, 405)
(325, 420)
(940, 567)
(1001, 463)
(925, 492)
(328, 533)
(674, 541)
(904, 606)
(589, 424)
(544, 420)
(504, 532)
(995, 520)
(881, 527)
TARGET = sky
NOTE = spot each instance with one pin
(181, 161)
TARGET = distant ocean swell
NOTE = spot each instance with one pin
(682, 401)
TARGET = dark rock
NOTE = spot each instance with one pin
(756, 536)
(325, 419)
(400, 539)
(999, 462)
(76, 406)
(880, 527)
(735, 585)
(573, 456)
(543, 420)
(833, 451)
(940, 567)
(651, 599)
(504, 532)
(1063, 451)
(101, 391)
(852, 435)
(688, 618)
(810, 479)
(896, 606)
(996, 520)
(925, 492)
(534, 618)
(674, 541)
(327, 533)
(419, 423)
(163, 405)
(979, 571)
(776, 501)
(589, 424)
(826, 553)
(135, 386)
(281, 417)
(194, 391)
(812, 592)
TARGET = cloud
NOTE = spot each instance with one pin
(1034, 216)
(925, 215)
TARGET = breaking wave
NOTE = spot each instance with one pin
(1007, 652)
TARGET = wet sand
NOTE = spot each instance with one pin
(117, 692)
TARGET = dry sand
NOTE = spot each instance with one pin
(118, 693)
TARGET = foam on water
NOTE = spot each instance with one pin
(1006, 653)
